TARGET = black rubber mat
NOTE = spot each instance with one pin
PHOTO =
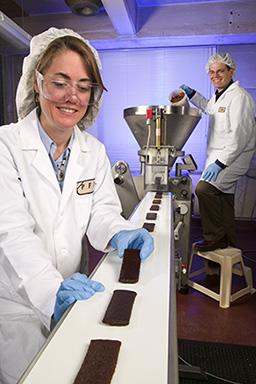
(234, 363)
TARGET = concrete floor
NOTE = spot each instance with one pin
(199, 316)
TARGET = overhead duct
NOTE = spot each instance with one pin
(85, 7)
(12, 34)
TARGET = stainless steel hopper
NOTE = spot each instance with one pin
(177, 124)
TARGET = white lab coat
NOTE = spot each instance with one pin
(41, 230)
(231, 135)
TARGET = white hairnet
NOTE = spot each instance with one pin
(25, 100)
(223, 58)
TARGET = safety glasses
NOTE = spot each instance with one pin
(58, 89)
(218, 73)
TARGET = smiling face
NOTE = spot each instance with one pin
(220, 75)
(60, 117)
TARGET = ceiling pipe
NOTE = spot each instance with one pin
(12, 34)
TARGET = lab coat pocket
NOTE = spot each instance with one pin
(83, 209)
(221, 121)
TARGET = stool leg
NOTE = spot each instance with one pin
(248, 276)
(225, 283)
(247, 272)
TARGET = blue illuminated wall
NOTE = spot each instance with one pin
(146, 77)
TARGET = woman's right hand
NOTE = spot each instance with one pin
(76, 287)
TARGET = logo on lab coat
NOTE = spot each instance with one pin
(85, 186)
(222, 109)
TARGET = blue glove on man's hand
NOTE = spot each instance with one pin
(189, 91)
(76, 287)
(211, 172)
(135, 239)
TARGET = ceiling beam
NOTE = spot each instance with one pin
(173, 41)
(123, 15)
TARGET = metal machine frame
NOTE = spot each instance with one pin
(161, 132)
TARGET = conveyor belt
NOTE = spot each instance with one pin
(148, 353)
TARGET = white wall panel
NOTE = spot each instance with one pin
(146, 77)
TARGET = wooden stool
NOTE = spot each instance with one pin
(231, 261)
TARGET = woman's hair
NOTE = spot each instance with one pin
(72, 43)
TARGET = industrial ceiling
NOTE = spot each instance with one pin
(142, 23)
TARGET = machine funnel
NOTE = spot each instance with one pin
(177, 124)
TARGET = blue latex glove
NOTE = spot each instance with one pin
(189, 91)
(76, 287)
(135, 239)
(211, 172)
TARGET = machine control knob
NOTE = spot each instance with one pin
(184, 180)
(175, 182)
(118, 179)
(182, 209)
(184, 193)
(121, 167)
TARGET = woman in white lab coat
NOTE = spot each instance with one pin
(231, 145)
(55, 187)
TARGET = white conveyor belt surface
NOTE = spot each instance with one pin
(148, 354)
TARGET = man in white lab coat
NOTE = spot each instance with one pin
(55, 187)
(231, 145)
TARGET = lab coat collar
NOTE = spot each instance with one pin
(226, 92)
(234, 85)
(30, 138)
(30, 141)
(219, 93)
(80, 137)
(34, 149)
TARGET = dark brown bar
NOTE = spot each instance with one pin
(120, 307)
(156, 201)
(149, 226)
(99, 363)
(130, 269)
(158, 195)
(151, 216)
(154, 207)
